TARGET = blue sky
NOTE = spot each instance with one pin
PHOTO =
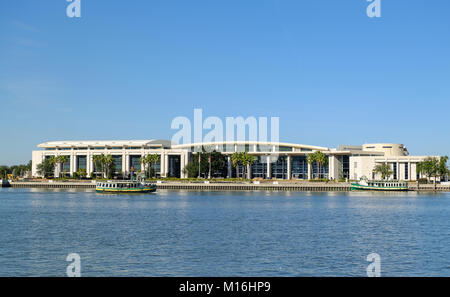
(125, 69)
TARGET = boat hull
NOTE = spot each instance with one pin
(357, 187)
(126, 191)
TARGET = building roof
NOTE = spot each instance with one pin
(106, 143)
(283, 144)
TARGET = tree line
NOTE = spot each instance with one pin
(16, 170)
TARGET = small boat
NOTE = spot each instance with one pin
(379, 186)
(119, 187)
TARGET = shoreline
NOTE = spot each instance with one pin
(226, 186)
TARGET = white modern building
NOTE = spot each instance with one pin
(273, 160)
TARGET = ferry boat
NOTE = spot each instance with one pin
(118, 187)
(379, 186)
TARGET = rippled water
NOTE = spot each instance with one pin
(223, 233)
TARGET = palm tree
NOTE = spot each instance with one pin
(236, 159)
(148, 161)
(98, 161)
(321, 160)
(153, 159)
(108, 160)
(62, 159)
(442, 169)
(247, 160)
(384, 169)
(310, 159)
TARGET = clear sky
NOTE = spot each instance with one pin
(125, 69)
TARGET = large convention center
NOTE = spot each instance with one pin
(271, 160)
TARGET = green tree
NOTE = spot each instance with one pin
(218, 161)
(98, 161)
(322, 160)
(46, 168)
(428, 167)
(108, 162)
(82, 173)
(236, 160)
(310, 159)
(150, 160)
(384, 169)
(442, 169)
(247, 160)
(62, 160)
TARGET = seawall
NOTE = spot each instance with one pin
(300, 187)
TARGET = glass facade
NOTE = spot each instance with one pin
(323, 171)
(406, 171)
(81, 162)
(259, 167)
(344, 166)
(117, 163)
(240, 171)
(279, 168)
(66, 166)
(157, 167)
(395, 170)
(299, 167)
(135, 163)
(174, 166)
(264, 148)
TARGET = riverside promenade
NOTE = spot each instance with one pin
(226, 186)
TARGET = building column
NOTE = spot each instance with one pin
(310, 169)
(182, 165)
(162, 165)
(289, 167)
(413, 172)
(166, 165)
(229, 167)
(124, 163)
(269, 167)
(72, 164)
(331, 167)
(127, 164)
(249, 173)
(398, 170)
(409, 171)
(87, 164)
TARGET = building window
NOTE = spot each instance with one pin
(299, 167)
(117, 163)
(135, 163)
(406, 171)
(259, 168)
(81, 162)
(395, 171)
(279, 168)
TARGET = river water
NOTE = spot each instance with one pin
(183, 233)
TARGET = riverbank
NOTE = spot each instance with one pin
(225, 186)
